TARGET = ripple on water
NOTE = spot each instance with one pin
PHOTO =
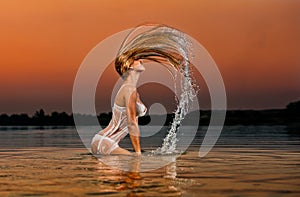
(226, 171)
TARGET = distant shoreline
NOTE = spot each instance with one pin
(288, 116)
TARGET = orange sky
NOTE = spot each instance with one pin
(255, 43)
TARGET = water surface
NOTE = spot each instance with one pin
(247, 161)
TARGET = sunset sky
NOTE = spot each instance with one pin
(255, 44)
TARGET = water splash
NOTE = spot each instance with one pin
(186, 97)
(171, 48)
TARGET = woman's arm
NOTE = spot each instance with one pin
(134, 131)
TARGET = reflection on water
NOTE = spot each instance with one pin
(224, 171)
(247, 161)
(133, 180)
(146, 162)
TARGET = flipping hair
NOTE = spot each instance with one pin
(160, 44)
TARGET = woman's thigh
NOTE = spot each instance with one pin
(104, 145)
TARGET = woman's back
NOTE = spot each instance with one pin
(117, 128)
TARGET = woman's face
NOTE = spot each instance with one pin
(138, 66)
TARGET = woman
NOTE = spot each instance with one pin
(160, 44)
(127, 107)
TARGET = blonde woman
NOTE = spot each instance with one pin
(161, 44)
(127, 107)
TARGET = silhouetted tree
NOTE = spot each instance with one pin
(294, 107)
(39, 117)
(288, 116)
(144, 120)
(104, 118)
(4, 119)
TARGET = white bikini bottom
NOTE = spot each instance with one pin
(105, 144)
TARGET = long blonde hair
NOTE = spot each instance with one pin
(161, 44)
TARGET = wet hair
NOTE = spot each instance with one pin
(162, 44)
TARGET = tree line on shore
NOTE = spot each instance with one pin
(289, 115)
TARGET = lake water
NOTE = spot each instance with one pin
(246, 161)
